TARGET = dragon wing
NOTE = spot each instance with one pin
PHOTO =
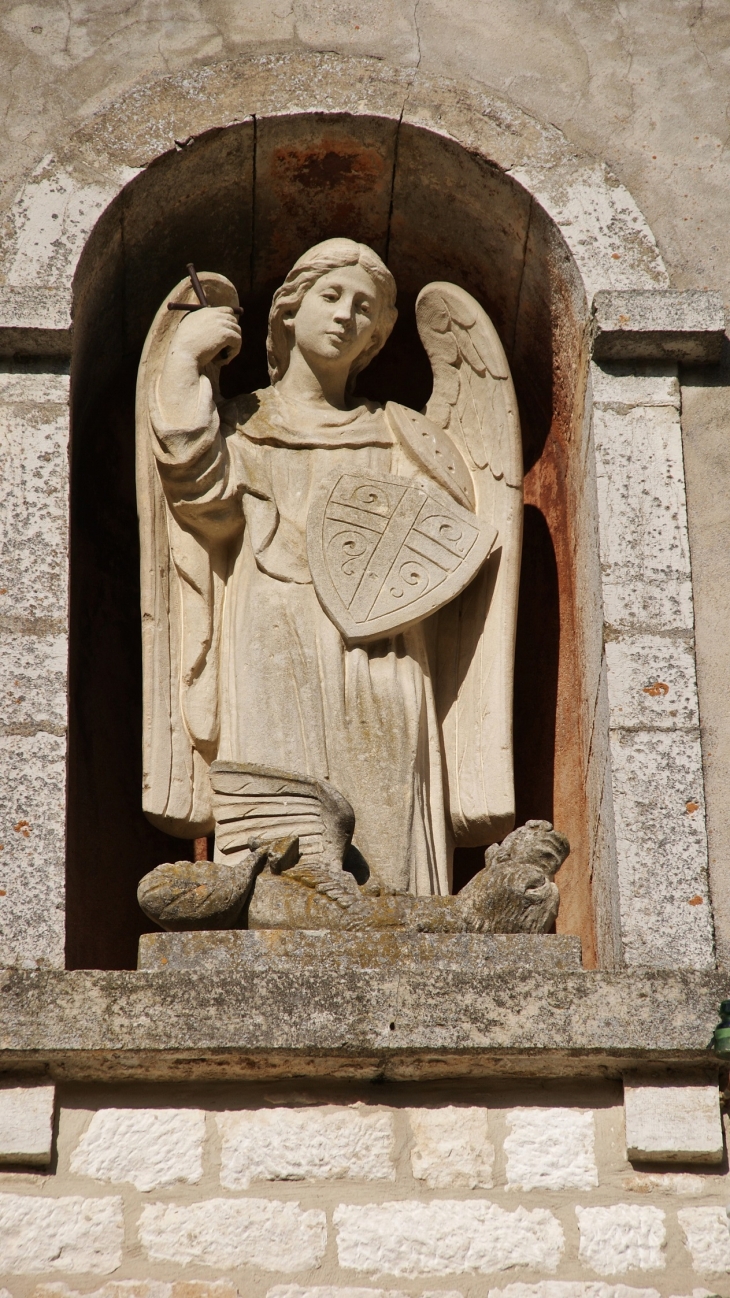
(474, 402)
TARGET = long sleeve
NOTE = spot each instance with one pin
(197, 470)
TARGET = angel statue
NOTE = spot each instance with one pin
(329, 588)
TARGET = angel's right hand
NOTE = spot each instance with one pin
(204, 334)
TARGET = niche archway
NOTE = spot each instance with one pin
(246, 200)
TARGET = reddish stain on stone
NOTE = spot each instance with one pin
(695, 901)
(692, 807)
(656, 689)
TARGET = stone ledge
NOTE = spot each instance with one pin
(349, 1021)
(662, 324)
(34, 321)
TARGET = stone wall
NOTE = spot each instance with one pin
(285, 1190)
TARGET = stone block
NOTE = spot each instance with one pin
(687, 327)
(149, 1147)
(346, 1291)
(33, 683)
(142, 1289)
(26, 1124)
(34, 382)
(258, 950)
(451, 1147)
(32, 855)
(34, 514)
(707, 1233)
(617, 386)
(580, 1289)
(67, 1234)
(550, 1149)
(411, 1238)
(642, 517)
(227, 1233)
(34, 321)
(316, 1144)
(667, 1123)
(622, 1237)
(661, 847)
(652, 683)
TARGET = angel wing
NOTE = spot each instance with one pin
(474, 401)
(182, 587)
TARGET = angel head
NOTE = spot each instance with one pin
(336, 307)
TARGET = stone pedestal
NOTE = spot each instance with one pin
(267, 949)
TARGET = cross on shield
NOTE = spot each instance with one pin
(385, 552)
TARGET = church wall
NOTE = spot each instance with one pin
(288, 1189)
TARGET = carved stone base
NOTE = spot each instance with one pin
(472, 953)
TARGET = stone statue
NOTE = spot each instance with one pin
(329, 586)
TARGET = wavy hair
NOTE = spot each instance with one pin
(317, 261)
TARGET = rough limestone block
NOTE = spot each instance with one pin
(33, 683)
(318, 1144)
(230, 1233)
(68, 1234)
(34, 321)
(338, 1291)
(623, 1237)
(652, 683)
(687, 326)
(149, 1147)
(617, 386)
(661, 845)
(32, 854)
(550, 1149)
(579, 1289)
(142, 1289)
(445, 1237)
(673, 1124)
(707, 1232)
(34, 513)
(451, 1147)
(643, 542)
(26, 1124)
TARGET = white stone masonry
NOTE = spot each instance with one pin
(655, 754)
(451, 1148)
(673, 1124)
(284, 1144)
(26, 1124)
(550, 1149)
(149, 1147)
(228, 1233)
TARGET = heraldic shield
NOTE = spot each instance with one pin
(385, 552)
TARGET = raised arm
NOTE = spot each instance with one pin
(188, 445)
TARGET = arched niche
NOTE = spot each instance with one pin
(237, 168)
(246, 201)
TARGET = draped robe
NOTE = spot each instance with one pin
(290, 693)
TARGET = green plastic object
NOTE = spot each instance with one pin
(721, 1036)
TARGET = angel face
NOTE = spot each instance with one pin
(336, 318)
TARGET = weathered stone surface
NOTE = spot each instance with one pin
(228, 1233)
(661, 840)
(264, 948)
(26, 1124)
(67, 1234)
(550, 1149)
(34, 321)
(337, 1019)
(32, 865)
(305, 1144)
(143, 1289)
(623, 1237)
(707, 1233)
(346, 1291)
(651, 682)
(451, 1147)
(444, 1237)
(34, 683)
(581, 1289)
(149, 1147)
(642, 514)
(659, 325)
(671, 1123)
(681, 1183)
